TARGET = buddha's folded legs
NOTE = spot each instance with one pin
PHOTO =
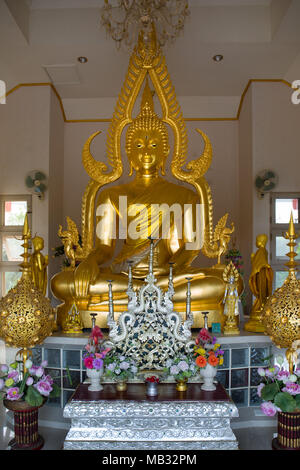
(207, 290)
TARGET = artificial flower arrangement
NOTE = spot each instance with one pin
(207, 350)
(93, 357)
(119, 367)
(181, 368)
(34, 386)
(152, 379)
(279, 390)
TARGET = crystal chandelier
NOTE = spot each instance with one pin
(124, 19)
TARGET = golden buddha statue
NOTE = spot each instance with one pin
(176, 216)
(261, 283)
(39, 264)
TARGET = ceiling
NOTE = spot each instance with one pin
(258, 39)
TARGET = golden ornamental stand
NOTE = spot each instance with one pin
(282, 310)
(26, 319)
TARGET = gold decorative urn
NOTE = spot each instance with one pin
(26, 316)
(281, 317)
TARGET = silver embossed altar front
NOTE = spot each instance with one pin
(109, 420)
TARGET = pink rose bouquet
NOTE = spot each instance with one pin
(279, 390)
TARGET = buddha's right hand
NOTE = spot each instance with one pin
(84, 275)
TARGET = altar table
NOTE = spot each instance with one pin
(112, 420)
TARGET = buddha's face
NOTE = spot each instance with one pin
(147, 152)
(38, 243)
(261, 241)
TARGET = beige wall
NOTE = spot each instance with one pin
(32, 138)
(276, 123)
(244, 242)
(268, 139)
(24, 146)
(56, 179)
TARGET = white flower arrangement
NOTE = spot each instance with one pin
(119, 368)
(181, 368)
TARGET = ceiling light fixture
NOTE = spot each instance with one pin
(124, 19)
(82, 59)
(218, 57)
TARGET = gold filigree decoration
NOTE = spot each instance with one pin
(230, 270)
(26, 316)
(70, 240)
(217, 246)
(281, 314)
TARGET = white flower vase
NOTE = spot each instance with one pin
(95, 376)
(208, 374)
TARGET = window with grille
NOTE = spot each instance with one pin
(12, 214)
(282, 205)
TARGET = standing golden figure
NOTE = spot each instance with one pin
(231, 300)
(39, 264)
(109, 245)
(261, 283)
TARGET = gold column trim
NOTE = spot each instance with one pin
(193, 119)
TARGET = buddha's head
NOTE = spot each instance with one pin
(38, 243)
(147, 144)
(261, 240)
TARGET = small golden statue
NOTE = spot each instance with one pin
(70, 240)
(260, 282)
(73, 322)
(231, 300)
(39, 264)
(222, 235)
